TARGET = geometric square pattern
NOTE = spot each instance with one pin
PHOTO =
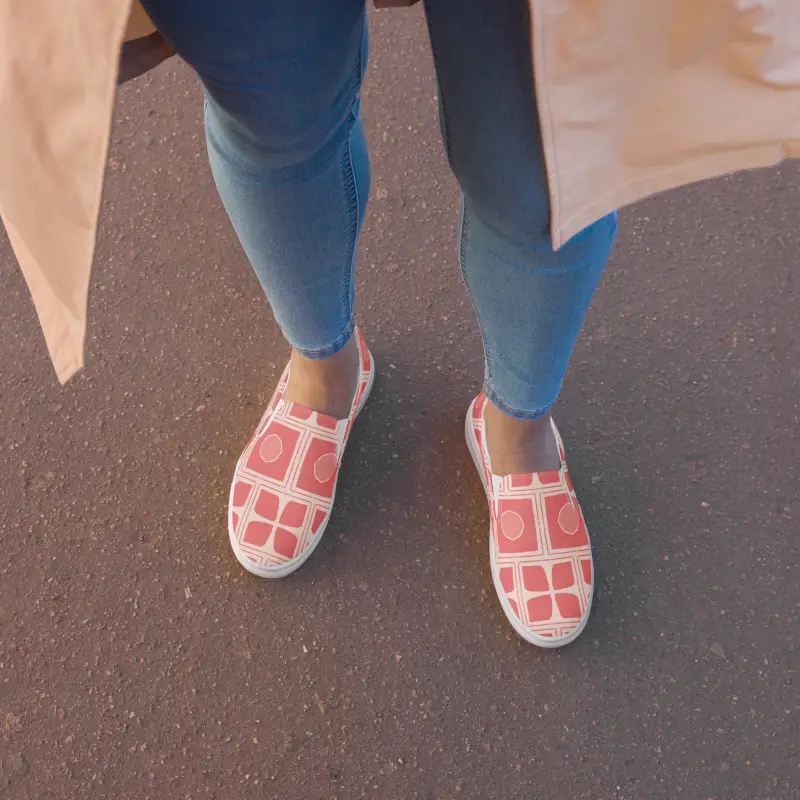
(540, 551)
(283, 487)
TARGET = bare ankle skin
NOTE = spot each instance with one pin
(326, 385)
(519, 447)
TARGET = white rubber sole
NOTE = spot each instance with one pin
(289, 567)
(529, 636)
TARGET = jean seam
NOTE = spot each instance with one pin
(510, 410)
(462, 259)
(353, 200)
(280, 175)
(331, 349)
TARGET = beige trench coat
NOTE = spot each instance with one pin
(635, 97)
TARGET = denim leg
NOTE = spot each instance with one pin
(529, 299)
(286, 145)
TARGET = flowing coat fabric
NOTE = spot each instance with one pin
(634, 98)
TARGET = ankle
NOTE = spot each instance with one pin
(326, 385)
(520, 447)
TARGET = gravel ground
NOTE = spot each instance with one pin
(137, 660)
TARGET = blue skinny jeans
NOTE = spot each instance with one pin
(289, 157)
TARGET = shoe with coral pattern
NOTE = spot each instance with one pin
(284, 485)
(539, 548)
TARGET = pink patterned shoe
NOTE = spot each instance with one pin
(538, 544)
(285, 481)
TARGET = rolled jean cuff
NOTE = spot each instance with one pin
(329, 350)
(513, 412)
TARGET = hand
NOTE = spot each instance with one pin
(141, 55)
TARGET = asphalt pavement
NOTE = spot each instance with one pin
(138, 660)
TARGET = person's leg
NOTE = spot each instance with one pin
(289, 157)
(530, 301)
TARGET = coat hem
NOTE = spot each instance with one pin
(546, 127)
(66, 371)
(653, 183)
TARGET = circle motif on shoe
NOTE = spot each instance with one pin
(511, 524)
(271, 448)
(324, 467)
(569, 519)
